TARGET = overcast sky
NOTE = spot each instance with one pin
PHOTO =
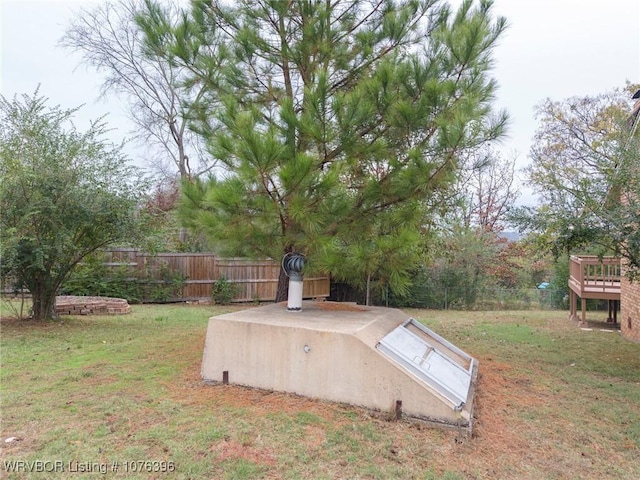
(552, 49)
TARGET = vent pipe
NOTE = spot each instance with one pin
(292, 263)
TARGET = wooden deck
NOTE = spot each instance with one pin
(594, 277)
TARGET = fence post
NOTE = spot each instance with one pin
(140, 260)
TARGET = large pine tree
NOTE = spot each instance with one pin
(339, 122)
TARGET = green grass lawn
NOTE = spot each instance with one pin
(81, 393)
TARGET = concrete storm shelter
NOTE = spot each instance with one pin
(373, 357)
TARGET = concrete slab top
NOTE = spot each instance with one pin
(337, 317)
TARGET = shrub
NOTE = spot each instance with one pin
(95, 277)
(223, 291)
(161, 284)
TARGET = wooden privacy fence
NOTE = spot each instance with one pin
(255, 280)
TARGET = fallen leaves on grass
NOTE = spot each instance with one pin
(230, 449)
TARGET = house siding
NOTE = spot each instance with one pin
(630, 292)
(630, 309)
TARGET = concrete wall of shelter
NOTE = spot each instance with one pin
(324, 355)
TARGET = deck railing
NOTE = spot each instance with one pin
(593, 274)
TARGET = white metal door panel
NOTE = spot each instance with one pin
(426, 361)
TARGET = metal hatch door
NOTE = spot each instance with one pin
(437, 362)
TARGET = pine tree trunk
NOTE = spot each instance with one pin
(282, 293)
(283, 286)
(368, 300)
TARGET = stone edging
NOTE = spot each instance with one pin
(78, 305)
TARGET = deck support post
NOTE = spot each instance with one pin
(583, 302)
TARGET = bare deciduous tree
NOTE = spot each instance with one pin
(161, 97)
(487, 189)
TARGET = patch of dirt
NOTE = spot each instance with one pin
(497, 397)
(499, 445)
(193, 391)
(232, 450)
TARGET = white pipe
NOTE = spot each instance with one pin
(294, 301)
